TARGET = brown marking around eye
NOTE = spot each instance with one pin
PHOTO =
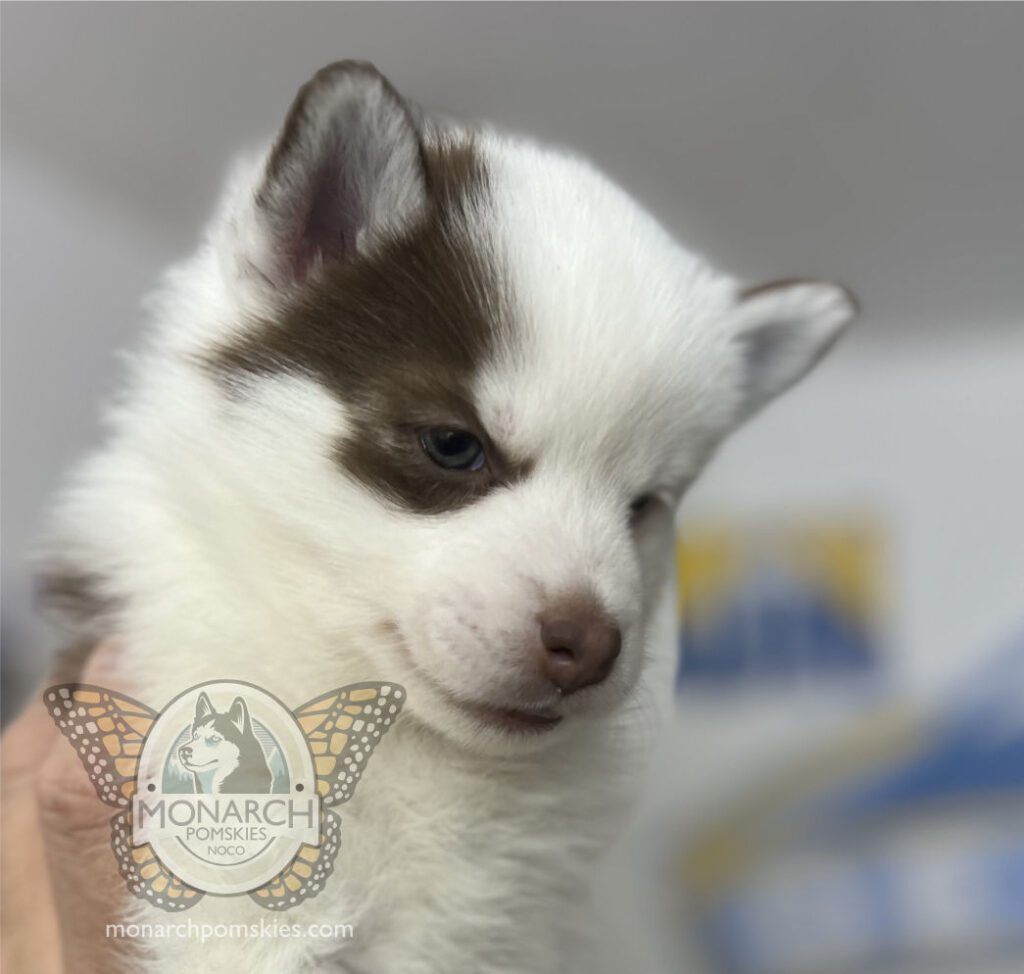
(398, 335)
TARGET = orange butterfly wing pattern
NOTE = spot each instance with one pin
(107, 730)
(307, 873)
(343, 727)
(147, 877)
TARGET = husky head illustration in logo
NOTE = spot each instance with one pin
(226, 745)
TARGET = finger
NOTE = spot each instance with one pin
(26, 743)
(75, 825)
(29, 931)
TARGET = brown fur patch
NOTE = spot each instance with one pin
(398, 336)
(70, 594)
(75, 600)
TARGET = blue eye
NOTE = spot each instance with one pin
(453, 449)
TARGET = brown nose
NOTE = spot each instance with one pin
(578, 647)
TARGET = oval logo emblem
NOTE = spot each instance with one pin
(226, 788)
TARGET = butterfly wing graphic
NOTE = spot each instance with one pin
(342, 727)
(146, 876)
(307, 873)
(107, 730)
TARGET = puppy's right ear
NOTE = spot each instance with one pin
(345, 170)
(783, 329)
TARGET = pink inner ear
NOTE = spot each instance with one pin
(324, 224)
(347, 158)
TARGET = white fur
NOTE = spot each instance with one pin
(241, 551)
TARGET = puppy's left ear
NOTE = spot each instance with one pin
(345, 171)
(783, 329)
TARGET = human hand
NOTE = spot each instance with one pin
(59, 880)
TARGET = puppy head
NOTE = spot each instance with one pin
(475, 379)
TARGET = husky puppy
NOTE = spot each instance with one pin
(227, 746)
(421, 409)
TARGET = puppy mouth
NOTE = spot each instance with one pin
(511, 720)
(507, 719)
